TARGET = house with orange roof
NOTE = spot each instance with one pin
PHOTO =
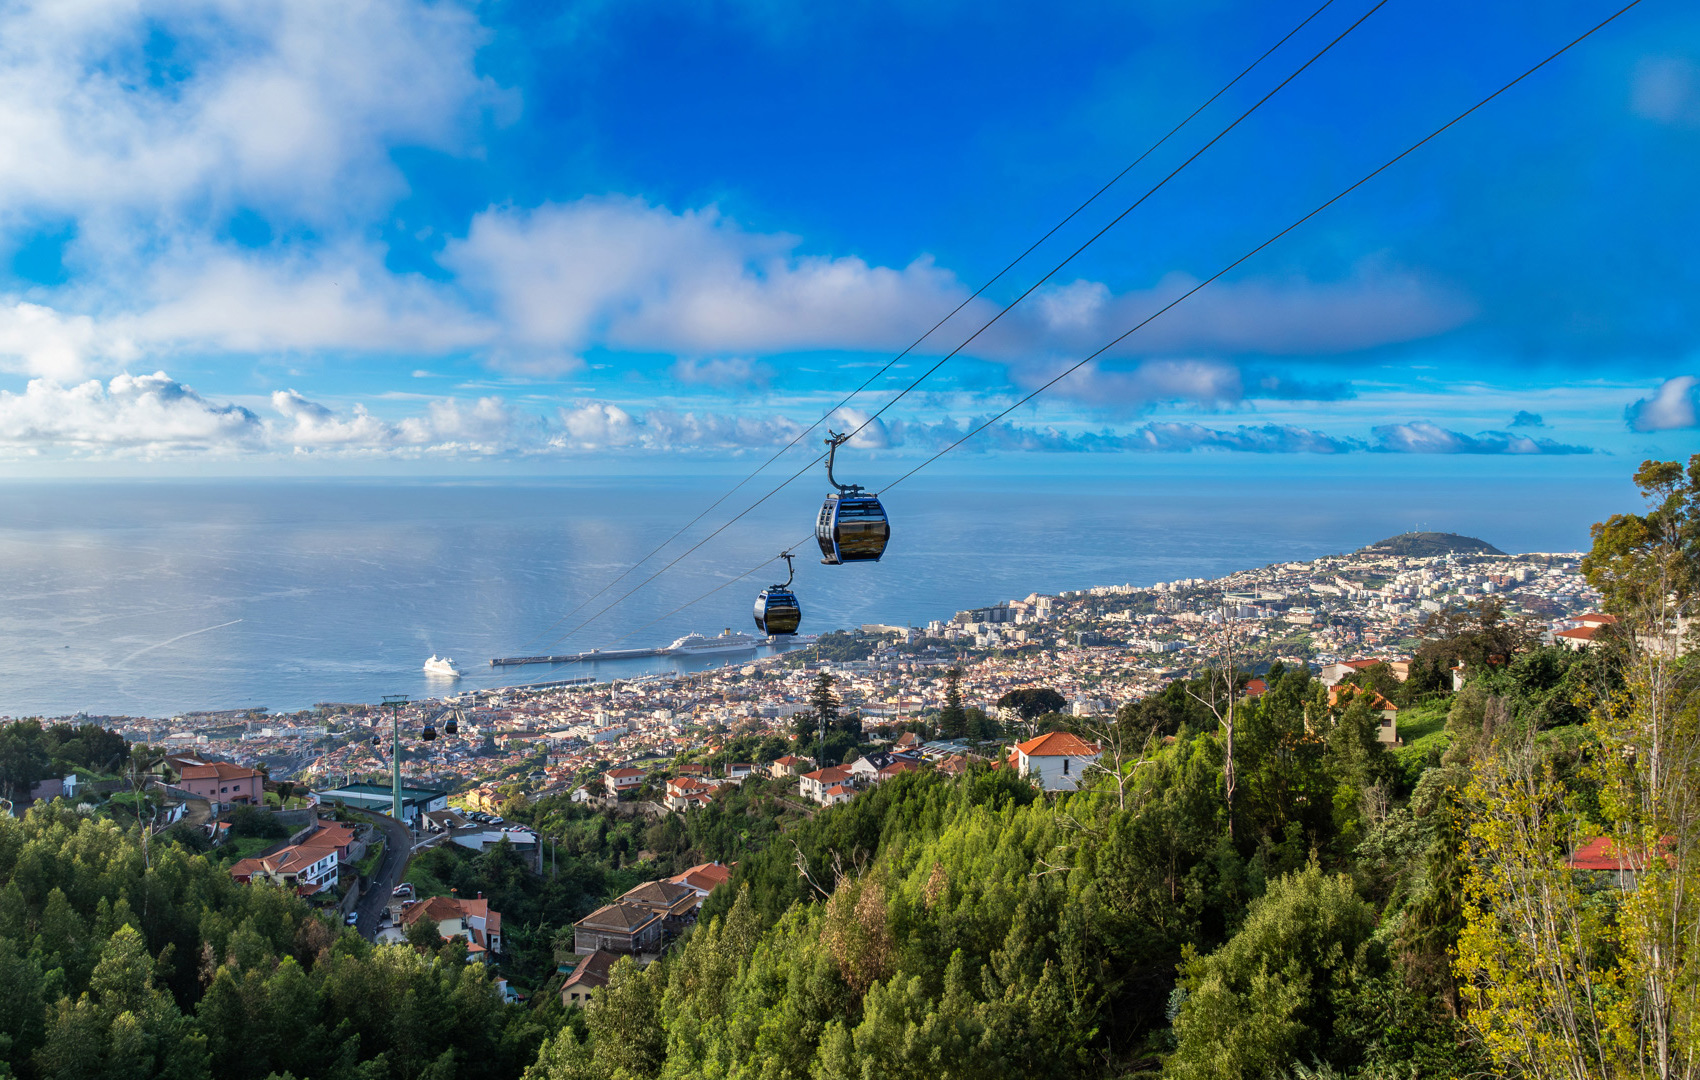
(618, 780)
(685, 793)
(1577, 638)
(1055, 760)
(704, 877)
(1604, 855)
(814, 785)
(1387, 713)
(224, 785)
(306, 867)
(788, 765)
(469, 919)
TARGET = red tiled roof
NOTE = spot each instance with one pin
(706, 876)
(1581, 633)
(1346, 691)
(1057, 744)
(1603, 853)
(441, 908)
(1256, 688)
(218, 770)
(832, 774)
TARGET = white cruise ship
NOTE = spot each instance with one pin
(696, 644)
(441, 666)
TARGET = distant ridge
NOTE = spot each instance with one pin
(1417, 545)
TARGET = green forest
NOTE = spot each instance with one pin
(1247, 886)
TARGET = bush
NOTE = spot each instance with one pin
(253, 822)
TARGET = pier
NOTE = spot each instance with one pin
(576, 658)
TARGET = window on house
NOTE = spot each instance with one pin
(1065, 766)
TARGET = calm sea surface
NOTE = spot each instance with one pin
(153, 597)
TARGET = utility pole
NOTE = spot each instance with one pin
(394, 703)
(1228, 775)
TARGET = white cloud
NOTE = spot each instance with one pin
(1425, 437)
(340, 297)
(1673, 406)
(1203, 382)
(39, 341)
(621, 273)
(152, 413)
(731, 371)
(287, 103)
(601, 426)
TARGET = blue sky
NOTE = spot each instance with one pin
(297, 236)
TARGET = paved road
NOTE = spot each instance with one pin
(398, 849)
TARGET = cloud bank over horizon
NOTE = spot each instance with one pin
(155, 416)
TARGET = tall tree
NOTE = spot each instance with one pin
(953, 719)
(1576, 977)
(825, 702)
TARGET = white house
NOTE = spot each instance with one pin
(619, 780)
(1056, 759)
(836, 779)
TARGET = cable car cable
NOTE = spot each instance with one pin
(1408, 151)
(1001, 313)
(1118, 218)
(994, 279)
(1413, 148)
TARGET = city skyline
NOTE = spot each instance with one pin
(437, 237)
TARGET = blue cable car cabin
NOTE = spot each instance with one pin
(852, 528)
(777, 611)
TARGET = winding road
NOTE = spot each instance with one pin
(398, 850)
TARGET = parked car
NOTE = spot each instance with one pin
(404, 889)
(351, 918)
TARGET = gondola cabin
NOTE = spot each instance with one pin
(777, 611)
(852, 528)
(429, 733)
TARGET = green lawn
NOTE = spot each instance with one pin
(1423, 729)
(1421, 721)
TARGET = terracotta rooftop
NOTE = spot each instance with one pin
(1057, 744)
(705, 876)
(218, 770)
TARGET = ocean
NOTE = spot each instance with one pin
(154, 597)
